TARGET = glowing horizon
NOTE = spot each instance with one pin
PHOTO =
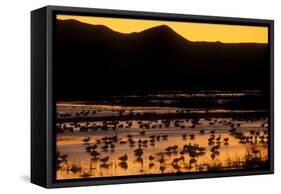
(189, 30)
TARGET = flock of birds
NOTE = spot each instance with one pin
(91, 113)
(184, 157)
(115, 125)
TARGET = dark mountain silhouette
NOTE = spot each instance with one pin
(93, 60)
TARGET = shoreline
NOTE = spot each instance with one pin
(168, 116)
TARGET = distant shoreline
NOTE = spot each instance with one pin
(168, 116)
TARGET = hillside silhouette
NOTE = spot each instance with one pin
(93, 60)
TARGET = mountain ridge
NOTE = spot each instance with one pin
(151, 60)
(162, 28)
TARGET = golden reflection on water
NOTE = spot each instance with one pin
(230, 155)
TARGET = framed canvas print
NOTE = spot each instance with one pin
(125, 96)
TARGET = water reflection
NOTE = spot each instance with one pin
(136, 147)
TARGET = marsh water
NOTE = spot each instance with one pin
(110, 138)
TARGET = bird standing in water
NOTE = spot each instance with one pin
(123, 158)
(86, 140)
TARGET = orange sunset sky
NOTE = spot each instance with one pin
(191, 31)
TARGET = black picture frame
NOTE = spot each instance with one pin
(43, 105)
